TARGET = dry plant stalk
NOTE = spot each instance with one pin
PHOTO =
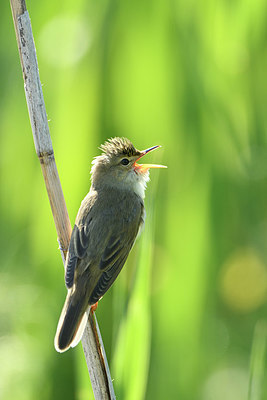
(92, 341)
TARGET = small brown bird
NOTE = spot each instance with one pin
(105, 230)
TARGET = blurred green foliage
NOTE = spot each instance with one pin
(191, 76)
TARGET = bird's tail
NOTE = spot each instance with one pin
(72, 322)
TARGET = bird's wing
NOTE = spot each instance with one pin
(111, 247)
(114, 255)
(111, 264)
(78, 246)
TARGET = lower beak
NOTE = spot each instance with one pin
(145, 167)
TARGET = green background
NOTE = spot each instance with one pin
(186, 317)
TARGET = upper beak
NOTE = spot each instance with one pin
(145, 167)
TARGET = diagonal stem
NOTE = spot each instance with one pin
(92, 342)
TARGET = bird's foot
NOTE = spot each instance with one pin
(94, 307)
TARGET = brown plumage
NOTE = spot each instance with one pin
(105, 229)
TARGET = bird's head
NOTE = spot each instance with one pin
(117, 166)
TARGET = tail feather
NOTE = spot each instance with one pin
(81, 328)
(71, 323)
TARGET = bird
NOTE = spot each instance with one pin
(107, 224)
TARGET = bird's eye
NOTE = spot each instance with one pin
(125, 161)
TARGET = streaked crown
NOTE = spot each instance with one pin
(118, 146)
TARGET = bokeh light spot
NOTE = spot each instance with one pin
(228, 383)
(64, 40)
(243, 281)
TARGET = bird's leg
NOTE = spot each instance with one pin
(94, 307)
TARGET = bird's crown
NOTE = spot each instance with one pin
(119, 146)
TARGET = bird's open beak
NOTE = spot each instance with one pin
(142, 168)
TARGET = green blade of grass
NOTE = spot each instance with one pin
(257, 362)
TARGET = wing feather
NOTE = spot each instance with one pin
(108, 277)
(70, 268)
(78, 246)
(111, 253)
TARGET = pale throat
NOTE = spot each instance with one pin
(137, 182)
